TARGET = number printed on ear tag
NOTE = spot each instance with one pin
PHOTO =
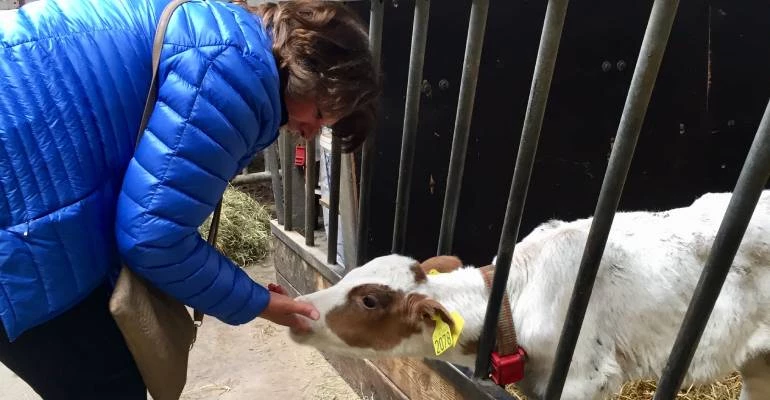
(443, 337)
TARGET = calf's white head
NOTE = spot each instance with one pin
(387, 308)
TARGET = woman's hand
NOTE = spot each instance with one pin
(283, 310)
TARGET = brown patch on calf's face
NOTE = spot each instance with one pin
(374, 316)
(441, 264)
(378, 317)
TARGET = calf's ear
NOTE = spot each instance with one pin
(423, 309)
(442, 264)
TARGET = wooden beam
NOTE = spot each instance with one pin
(366, 378)
(314, 256)
(417, 380)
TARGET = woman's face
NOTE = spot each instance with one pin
(305, 118)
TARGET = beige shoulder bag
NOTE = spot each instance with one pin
(157, 328)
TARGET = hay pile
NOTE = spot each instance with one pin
(244, 228)
(728, 388)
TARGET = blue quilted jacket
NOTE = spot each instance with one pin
(75, 196)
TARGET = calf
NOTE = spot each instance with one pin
(390, 306)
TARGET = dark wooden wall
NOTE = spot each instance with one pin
(695, 138)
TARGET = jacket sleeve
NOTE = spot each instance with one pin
(217, 104)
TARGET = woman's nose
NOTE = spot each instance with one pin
(310, 130)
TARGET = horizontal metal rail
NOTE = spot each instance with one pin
(752, 180)
(468, 389)
(533, 121)
(250, 178)
(645, 74)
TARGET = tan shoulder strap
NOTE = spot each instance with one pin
(157, 48)
(506, 331)
(149, 105)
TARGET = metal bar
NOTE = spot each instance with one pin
(334, 201)
(254, 177)
(473, 47)
(310, 202)
(645, 74)
(348, 205)
(271, 163)
(288, 159)
(748, 189)
(367, 152)
(467, 388)
(411, 113)
(533, 121)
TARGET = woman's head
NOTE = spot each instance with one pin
(328, 76)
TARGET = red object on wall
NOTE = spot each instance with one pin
(299, 155)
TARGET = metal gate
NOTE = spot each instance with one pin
(753, 178)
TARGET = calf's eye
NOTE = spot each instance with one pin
(369, 302)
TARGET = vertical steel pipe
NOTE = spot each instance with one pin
(411, 113)
(288, 193)
(751, 182)
(271, 162)
(367, 152)
(473, 47)
(334, 201)
(533, 121)
(645, 74)
(310, 203)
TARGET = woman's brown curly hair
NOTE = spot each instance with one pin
(322, 50)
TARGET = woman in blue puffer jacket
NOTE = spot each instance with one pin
(76, 197)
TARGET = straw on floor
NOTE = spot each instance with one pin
(244, 228)
(728, 388)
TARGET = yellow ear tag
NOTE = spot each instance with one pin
(445, 337)
(433, 272)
